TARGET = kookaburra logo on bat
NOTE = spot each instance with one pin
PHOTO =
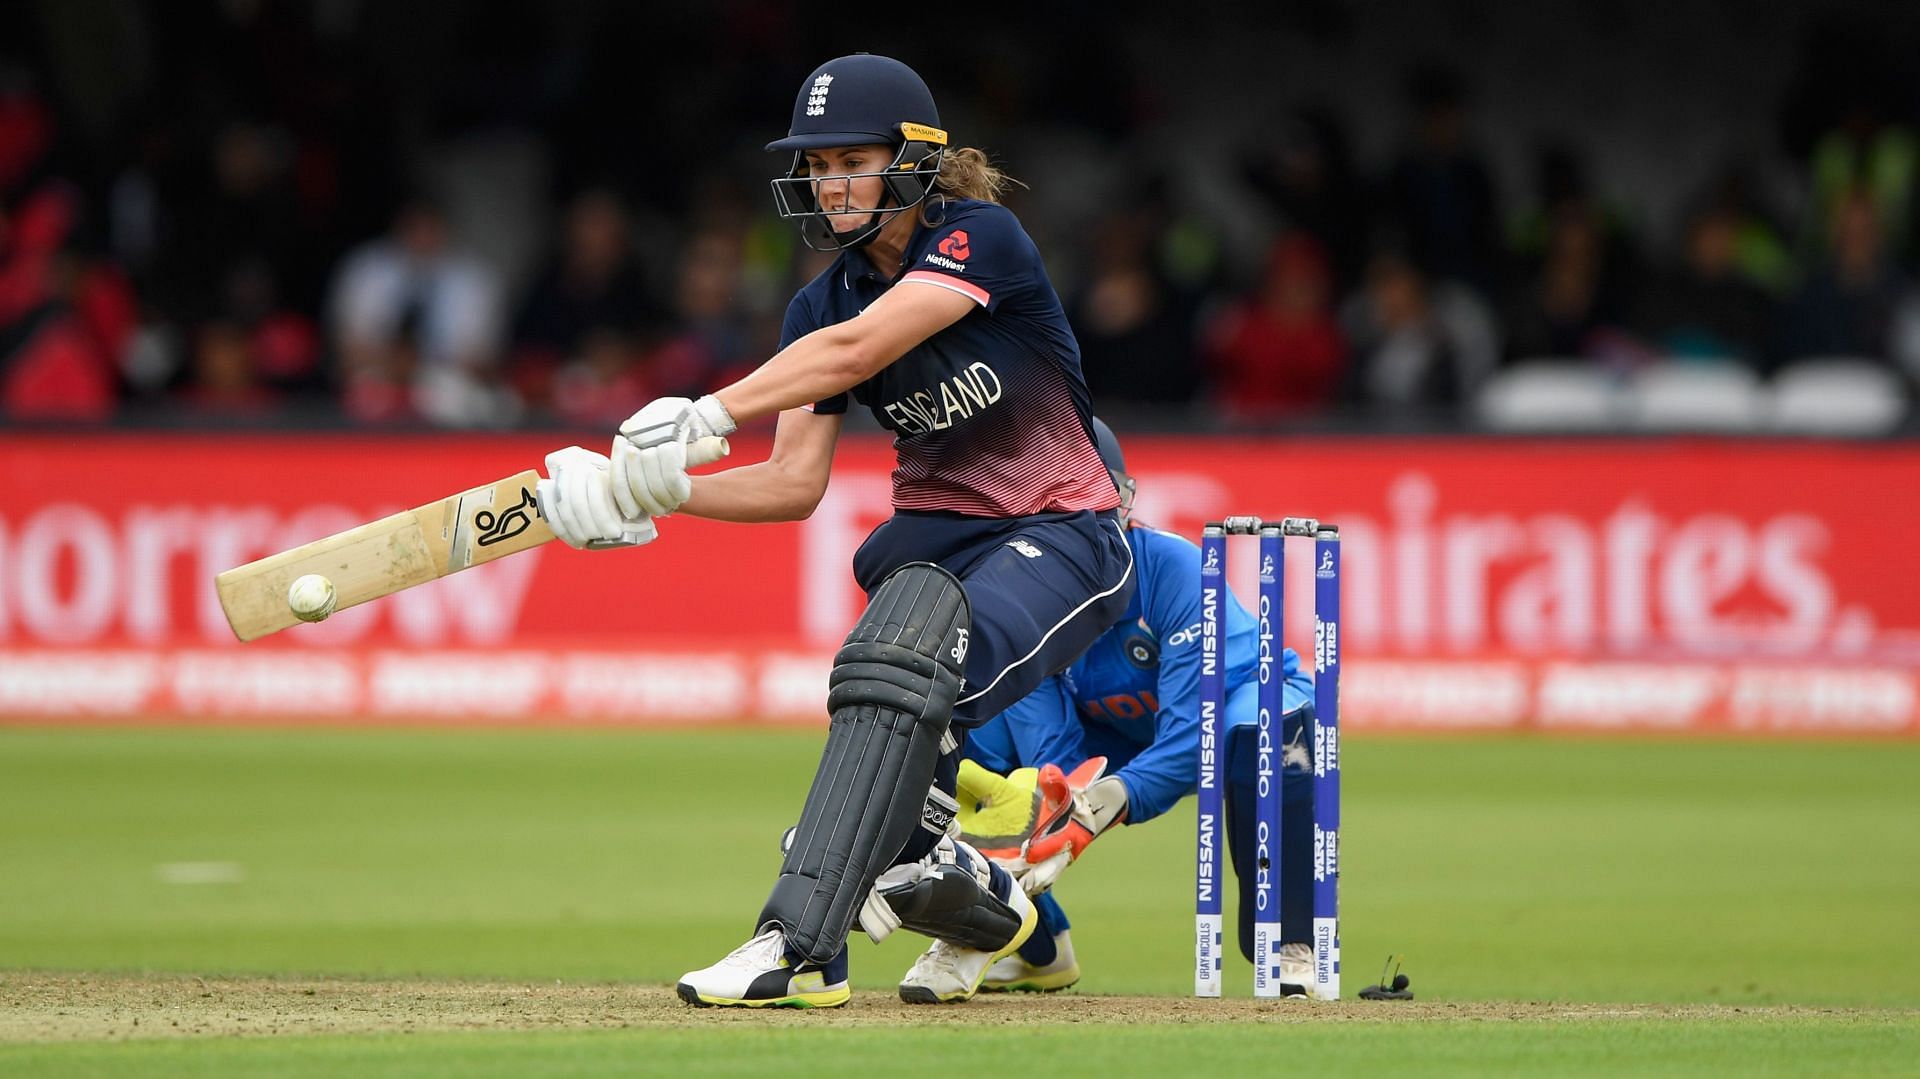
(509, 523)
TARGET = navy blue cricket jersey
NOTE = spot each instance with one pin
(990, 416)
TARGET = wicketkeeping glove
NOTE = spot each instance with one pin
(998, 813)
(1090, 804)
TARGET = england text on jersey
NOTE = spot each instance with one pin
(937, 407)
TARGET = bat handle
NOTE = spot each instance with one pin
(705, 451)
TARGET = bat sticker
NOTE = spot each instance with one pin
(510, 523)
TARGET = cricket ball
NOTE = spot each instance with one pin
(311, 597)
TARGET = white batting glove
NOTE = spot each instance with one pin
(577, 501)
(658, 443)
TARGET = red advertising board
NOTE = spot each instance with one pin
(1668, 584)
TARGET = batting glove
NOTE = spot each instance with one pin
(657, 445)
(577, 503)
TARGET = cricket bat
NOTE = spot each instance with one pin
(394, 553)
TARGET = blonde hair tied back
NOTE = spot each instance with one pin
(967, 173)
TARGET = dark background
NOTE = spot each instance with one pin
(1330, 214)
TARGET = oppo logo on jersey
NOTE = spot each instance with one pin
(1185, 636)
(940, 406)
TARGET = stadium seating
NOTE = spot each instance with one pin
(1841, 396)
(1696, 395)
(1550, 394)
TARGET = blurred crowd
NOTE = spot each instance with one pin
(270, 239)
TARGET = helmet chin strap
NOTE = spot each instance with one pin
(866, 234)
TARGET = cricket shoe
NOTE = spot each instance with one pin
(950, 974)
(760, 974)
(1296, 970)
(1015, 975)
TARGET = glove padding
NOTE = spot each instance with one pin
(576, 499)
(1090, 804)
(657, 445)
(998, 813)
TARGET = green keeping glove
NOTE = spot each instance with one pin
(998, 813)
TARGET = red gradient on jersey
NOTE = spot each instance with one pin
(965, 288)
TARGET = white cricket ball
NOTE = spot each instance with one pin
(312, 597)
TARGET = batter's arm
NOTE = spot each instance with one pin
(785, 487)
(836, 358)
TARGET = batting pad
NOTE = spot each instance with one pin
(891, 696)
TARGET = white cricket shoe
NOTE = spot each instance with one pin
(1015, 974)
(1296, 970)
(758, 974)
(949, 974)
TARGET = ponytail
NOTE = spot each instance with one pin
(966, 173)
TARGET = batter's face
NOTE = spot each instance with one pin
(837, 187)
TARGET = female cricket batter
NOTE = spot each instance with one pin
(1003, 560)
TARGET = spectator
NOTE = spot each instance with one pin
(1307, 173)
(1135, 327)
(226, 376)
(1847, 306)
(66, 318)
(1572, 304)
(1579, 264)
(595, 289)
(240, 217)
(599, 385)
(1416, 341)
(712, 336)
(1761, 252)
(1708, 309)
(409, 313)
(1440, 192)
(1866, 156)
(1279, 352)
(379, 389)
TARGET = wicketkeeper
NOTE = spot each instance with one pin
(1133, 698)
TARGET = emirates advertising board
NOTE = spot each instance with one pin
(1659, 585)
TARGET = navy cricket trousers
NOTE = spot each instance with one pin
(1041, 588)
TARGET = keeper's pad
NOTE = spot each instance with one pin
(891, 695)
(948, 895)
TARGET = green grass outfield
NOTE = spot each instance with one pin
(1743, 873)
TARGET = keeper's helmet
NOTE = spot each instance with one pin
(855, 101)
(1109, 448)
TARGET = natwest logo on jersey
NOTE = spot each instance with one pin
(955, 245)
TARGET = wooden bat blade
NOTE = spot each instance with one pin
(385, 556)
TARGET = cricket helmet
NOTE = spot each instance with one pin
(856, 101)
(1109, 447)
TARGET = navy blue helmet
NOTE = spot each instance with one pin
(855, 101)
(1109, 447)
